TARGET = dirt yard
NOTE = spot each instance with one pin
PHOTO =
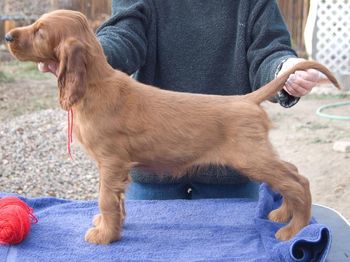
(300, 136)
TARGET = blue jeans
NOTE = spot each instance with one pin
(186, 190)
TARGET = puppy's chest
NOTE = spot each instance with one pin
(91, 132)
(85, 130)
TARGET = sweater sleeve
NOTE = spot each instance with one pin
(269, 45)
(123, 35)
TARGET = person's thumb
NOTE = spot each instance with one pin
(48, 67)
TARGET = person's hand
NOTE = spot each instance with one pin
(48, 67)
(301, 82)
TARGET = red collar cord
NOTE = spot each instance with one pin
(70, 131)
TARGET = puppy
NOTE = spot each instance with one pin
(123, 124)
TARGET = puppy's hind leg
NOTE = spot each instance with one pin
(283, 214)
(261, 164)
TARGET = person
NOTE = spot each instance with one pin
(211, 47)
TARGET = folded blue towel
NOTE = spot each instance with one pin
(169, 230)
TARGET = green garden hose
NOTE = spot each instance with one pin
(335, 117)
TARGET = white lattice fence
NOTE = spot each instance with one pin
(327, 35)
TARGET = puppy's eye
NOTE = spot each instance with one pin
(39, 33)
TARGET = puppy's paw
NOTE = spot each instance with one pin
(101, 236)
(280, 215)
(96, 221)
(286, 233)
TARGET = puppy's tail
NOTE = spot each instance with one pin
(271, 88)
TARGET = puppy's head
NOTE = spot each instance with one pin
(61, 36)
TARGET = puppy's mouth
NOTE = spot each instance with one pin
(15, 52)
(43, 66)
(20, 53)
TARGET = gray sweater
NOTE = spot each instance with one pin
(225, 47)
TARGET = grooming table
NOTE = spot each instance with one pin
(340, 227)
(179, 230)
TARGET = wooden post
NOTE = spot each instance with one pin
(295, 15)
(8, 25)
(2, 31)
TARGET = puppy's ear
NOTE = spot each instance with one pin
(71, 73)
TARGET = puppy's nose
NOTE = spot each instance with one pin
(8, 37)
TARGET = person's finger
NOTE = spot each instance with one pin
(311, 75)
(324, 79)
(290, 90)
(48, 67)
(53, 67)
(43, 67)
(295, 90)
(299, 79)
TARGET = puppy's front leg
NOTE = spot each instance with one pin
(97, 219)
(108, 224)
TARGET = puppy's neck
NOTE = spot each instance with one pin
(106, 86)
(98, 70)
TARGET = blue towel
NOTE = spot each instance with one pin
(169, 230)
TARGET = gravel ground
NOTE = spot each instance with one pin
(38, 142)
